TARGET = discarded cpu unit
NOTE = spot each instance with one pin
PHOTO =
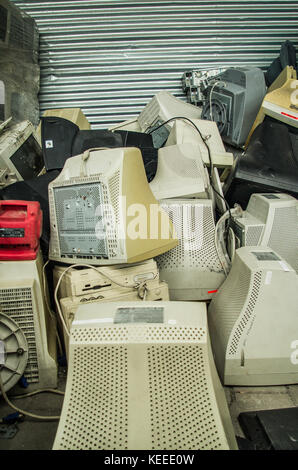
(82, 280)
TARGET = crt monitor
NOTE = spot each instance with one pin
(102, 210)
(253, 320)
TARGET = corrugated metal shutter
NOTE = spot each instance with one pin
(110, 57)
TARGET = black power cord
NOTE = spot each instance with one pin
(204, 139)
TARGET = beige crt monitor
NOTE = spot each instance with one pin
(102, 211)
(193, 269)
(155, 291)
(20, 153)
(142, 376)
(22, 299)
(253, 320)
(164, 106)
(183, 132)
(180, 173)
(270, 220)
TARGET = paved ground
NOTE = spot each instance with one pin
(34, 435)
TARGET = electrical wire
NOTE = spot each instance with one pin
(45, 294)
(139, 286)
(25, 413)
(204, 139)
(217, 82)
(36, 392)
(210, 170)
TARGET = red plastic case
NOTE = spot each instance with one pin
(20, 230)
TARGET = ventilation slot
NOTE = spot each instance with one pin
(182, 410)
(17, 304)
(196, 249)
(247, 315)
(97, 414)
(138, 334)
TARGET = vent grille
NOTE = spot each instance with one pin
(284, 235)
(97, 415)
(182, 411)
(247, 315)
(138, 334)
(18, 305)
(194, 225)
(186, 167)
(112, 238)
(253, 235)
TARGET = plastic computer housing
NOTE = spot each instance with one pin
(20, 229)
(183, 132)
(270, 220)
(20, 154)
(253, 320)
(164, 106)
(14, 352)
(193, 269)
(130, 125)
(156, 291)
(74, 115)
(142, 376)
(22, 298)
(195, 82)
(98, 203)
(279, 104)
(82, 280)
(180, 173)
(235, 102)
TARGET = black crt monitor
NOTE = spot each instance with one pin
(270, 164)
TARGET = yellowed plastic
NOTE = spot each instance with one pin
(156, 291)
(83, 281)
(141, 376)
(126, 191)
(22, 297)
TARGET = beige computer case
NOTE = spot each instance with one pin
(155, 291)
(180, 173)
(22, 298)
(141, 376)
(82, 280)
(106, 189)
(193, 269)
(253, 320)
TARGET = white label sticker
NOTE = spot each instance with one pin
(95, 320)
(172, 322)
(268, 277)
(284, 266)
(49, 144)
(2, 351)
